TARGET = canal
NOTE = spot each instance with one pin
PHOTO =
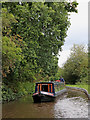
(69, 105)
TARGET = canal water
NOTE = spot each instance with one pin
(69, 105)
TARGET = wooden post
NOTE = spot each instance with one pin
(51, 88)
(40, 87)
(48, 88)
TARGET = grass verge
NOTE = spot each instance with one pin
(87, 87)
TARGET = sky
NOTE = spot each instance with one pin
(77, 32)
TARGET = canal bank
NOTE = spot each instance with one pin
(78, 90)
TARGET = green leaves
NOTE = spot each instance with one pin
(10, 54)
(7, 20)
(71, 6)
(36, 32)
(75, 69)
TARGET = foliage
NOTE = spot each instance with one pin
(7, 20)
(59, 73)
(33, 33)
(76, 67)
(43, 27)
(11, 54)
(14, 91)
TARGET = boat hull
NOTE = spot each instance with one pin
(43, 98)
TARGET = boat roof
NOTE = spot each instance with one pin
(44, 83)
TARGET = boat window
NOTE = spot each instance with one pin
(45, 88)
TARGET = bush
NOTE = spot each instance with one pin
(21, 89)
(7, 93)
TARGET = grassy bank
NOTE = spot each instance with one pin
(80, 86)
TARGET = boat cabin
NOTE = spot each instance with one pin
(59, 86)
(44, 86)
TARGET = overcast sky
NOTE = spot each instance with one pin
(78, 31)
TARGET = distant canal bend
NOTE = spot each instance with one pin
(68, 105)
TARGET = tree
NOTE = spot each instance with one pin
(43, 27)
(10, 51)
(7, 20)
(76, 67)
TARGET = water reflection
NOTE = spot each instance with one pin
(25, 108)
(65, 106)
